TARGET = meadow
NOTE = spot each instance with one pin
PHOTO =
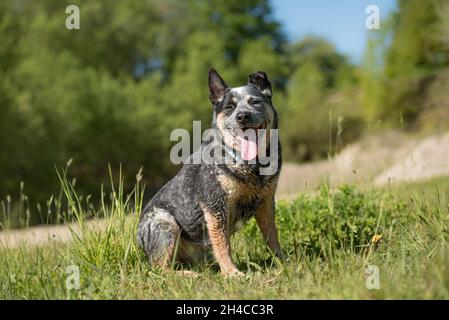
(330, 237)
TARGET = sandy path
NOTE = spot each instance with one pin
(41, 235)
(38, 235)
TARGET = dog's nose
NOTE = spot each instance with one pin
(243, 117)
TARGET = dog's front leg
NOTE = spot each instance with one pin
(266, 222)
(220, 239)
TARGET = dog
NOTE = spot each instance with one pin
(198, 210)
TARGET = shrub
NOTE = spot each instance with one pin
(339, 219)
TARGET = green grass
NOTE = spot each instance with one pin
(328, 237)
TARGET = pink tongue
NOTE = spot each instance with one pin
(249, 148)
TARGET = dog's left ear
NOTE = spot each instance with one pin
(260, 80)
(217, 86)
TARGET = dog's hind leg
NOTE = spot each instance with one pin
(158, 235)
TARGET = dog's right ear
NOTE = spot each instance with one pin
(217, 87)
(260, 80)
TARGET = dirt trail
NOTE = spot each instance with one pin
(378, 160)
(381, 159)
(36, 236)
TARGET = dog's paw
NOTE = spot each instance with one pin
(234, 274)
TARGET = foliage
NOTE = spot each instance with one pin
(339, 219)
(320, 106)
(412, 53)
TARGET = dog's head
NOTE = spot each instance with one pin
(242, 113)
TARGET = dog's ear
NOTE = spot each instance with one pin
(260, 80)
(217, 86)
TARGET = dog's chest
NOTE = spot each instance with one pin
(243, 199)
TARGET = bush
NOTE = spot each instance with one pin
(341, 219)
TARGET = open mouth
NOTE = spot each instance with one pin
(263, 125)
(249, 142)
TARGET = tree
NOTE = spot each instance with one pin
(316, 98)
(260, 55)
(237, 22)
(415, 54)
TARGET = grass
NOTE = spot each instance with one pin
(330, 237)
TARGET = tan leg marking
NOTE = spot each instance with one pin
(219, 238)
(266, 221)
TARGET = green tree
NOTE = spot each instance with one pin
(415, 54)
(259, 54)
(319, 93)
(237, 22)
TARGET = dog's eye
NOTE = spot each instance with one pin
(255, 101)
(229, 107)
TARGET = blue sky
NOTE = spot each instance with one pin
(340, 21)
